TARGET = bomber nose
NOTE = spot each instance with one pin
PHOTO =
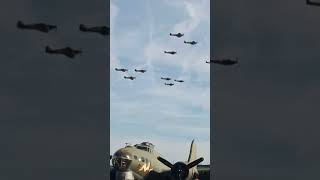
(121, 160)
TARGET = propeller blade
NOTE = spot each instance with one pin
(165, 162)
(110, 156)
(195, 162)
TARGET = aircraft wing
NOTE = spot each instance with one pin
(204, 172)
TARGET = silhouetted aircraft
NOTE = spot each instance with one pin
(36, 26)
(121, 69)
(129, 77)
(170, 52)
(98, 29)
(143, 162)
(179, 35)
(309, 2)
(69, 52)
(190, 42)
(142, 70)
(225, 62)
(167, 79)
(178, 80)
(168, 84)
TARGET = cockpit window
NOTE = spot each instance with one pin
(142, 148)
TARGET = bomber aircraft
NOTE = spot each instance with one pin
(103, 30)
(140, 70)
(168, 84)
(129, 77)
(190, 42)
(170, 52)
(121, 69)
(226, 62)
(179, 35)
(179, 80)
(309, 2)
(143, 162)
(167, 79)
(69, 52)
(36, 26)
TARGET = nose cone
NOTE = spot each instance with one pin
(122, 159)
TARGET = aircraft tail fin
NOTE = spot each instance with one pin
(193, 152)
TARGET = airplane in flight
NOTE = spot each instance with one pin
(143, 162)
(103, 30)
(226, 62)
(168, 84)
(190, 42)
(309, 2)
(69, 52)
(121, 69)
(179, 80)
(167, 79)
(170, 52)
(141, 70)
(36, 26)
(179, 35)
(129, 77)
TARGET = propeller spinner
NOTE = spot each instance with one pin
(180, 170)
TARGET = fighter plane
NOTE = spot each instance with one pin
(143, 162)
(309, 2)
(36, 26)
(121, 69)
(190, 42)
(69, 52)
(129, 77)
(170, 52)
(179, 35)
(179, 80)
(142, 70)
(168, 84)
(226, 62)
(167, 79)
(103, 30)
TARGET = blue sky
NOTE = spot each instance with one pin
(145, 109)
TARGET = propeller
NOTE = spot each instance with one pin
(180, 170)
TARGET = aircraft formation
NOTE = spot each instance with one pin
(178, 35)
(66, 51)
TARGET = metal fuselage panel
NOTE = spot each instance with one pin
(141, 168)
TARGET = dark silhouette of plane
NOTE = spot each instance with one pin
(190, 42)
(36, 26)
(129, 77)
(226, 62)
(178, 80)
(179, 35)
(309, 2)
(69, 52)
(170, 52)
(103, 30)
(121, 69)
(142, 70)
(168, 84)
(167, 79)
